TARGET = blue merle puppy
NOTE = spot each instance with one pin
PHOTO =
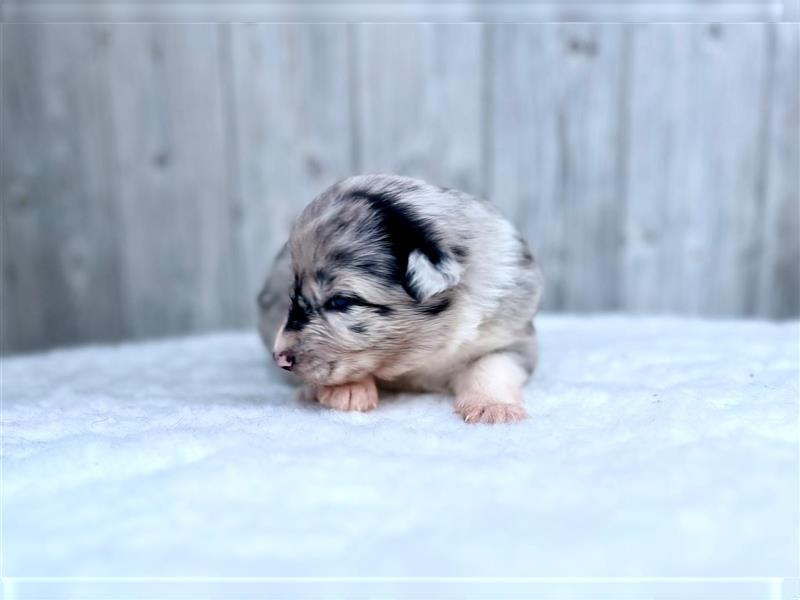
(398, 284)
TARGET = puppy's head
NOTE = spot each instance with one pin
(369, 272)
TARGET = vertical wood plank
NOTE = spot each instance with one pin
(779, 285)
(60, 277)
(420, 97)
(292, 106)
(555, 115)
(170, 177)
(694, 203)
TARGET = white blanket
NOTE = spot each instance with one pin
(654, 447)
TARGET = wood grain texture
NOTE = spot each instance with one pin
(291, 103)
(779, 283)
(555, 121)
(60, 278)
(176, 248)
(401, 11)
(694, 204)
(420, 95)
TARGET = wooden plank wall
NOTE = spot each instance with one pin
(401, 11)
(150, 172)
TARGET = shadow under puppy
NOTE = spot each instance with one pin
(395, 283)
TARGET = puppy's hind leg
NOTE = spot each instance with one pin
(489, 390)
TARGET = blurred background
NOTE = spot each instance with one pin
(150, 172)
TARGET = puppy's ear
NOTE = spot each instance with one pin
(425, 278)
(424, 268)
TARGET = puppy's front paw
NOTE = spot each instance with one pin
(483, 410)
(359, 395)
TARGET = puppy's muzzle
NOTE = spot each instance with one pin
(285, 360)
(283, 352)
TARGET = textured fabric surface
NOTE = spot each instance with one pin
(655, 446)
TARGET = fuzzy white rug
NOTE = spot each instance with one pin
(656, 446)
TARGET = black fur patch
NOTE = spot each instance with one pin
(434, 309)
(299, 311)
(341, 256)
(404, 232)
(323, 276)
(382, 310)
(460, 252)
(358, 328)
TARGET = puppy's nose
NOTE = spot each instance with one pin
(285, 360)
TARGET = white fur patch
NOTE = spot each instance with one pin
(429, 279)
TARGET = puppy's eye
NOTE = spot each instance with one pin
(339, 302)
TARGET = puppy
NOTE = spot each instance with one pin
(398, 284)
